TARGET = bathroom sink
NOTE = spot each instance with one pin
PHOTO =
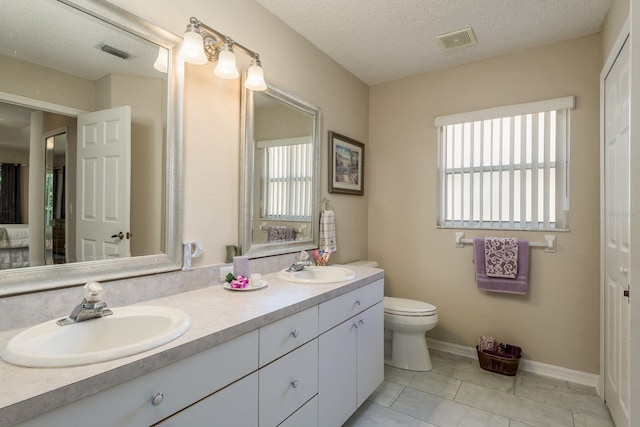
(313, 274)
(129, 330)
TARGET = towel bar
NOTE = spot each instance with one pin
(299, 230)
(549, 244)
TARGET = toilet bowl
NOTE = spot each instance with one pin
(408, 320)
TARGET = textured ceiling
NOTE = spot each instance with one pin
(46, 33)
(384, 40)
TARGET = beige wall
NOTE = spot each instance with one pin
(618, 13)
(212, 119)
(45, 84)
(558, 321)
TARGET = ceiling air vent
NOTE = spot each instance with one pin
(456, 39)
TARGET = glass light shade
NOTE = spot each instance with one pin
(255, 78)
(226, 67)
(192, 49)
(162, 62)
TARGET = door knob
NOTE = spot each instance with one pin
(120, 235)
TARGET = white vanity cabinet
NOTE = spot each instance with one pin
(351, 352)
(313, 367)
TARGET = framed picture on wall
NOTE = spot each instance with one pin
(346, 165)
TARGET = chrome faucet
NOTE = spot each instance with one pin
(91, 306)
(300, 263)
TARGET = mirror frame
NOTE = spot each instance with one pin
(36, 279)
(247, 156)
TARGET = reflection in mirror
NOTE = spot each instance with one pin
(54, 197)
(73, 207)
(281, 146)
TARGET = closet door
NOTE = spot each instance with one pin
(617, 238)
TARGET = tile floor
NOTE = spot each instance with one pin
(457, 392)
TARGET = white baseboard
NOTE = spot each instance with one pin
(534, 367)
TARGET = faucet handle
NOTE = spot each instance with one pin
(93, 292)
(304, 255)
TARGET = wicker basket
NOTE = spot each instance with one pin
(501, 365)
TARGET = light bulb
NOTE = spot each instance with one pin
(226, 67)
(192, 49)
(162, 62)
(255, 78)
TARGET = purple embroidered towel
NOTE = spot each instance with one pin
(279, 233)
(501, 257)
(519, 285)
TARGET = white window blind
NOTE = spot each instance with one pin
(286, 180)
(505, 167)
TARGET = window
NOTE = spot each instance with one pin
(287, 178)
(506, 167)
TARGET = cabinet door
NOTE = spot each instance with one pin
(337, 371)
(370, 351)
(235, 405)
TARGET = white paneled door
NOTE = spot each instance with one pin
(617, 238)
(103, 184)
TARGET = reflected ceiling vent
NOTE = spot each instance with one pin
(115, 52)
(456, 39)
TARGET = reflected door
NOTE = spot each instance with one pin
(104, 184)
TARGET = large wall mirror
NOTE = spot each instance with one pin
(280, 173)
(90, 145)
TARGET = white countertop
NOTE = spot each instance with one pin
(217, 315)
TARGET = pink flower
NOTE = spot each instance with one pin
(239, 282)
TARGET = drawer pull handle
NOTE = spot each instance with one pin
(294, 383)
(157, 399)
(355, 325)
(357, 302)
(295, 333)
(360, 322)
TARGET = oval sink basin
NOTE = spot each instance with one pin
(129, 330)
(317, 274)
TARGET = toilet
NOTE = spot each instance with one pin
(405, 322)
(408, 320)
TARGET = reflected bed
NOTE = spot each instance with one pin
(14, 246)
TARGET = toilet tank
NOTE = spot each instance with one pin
(364, 263)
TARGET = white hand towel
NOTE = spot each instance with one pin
(328, 231)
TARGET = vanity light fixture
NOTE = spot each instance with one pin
(202, 44)
(162, 62)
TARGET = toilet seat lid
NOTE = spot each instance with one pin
(408, 307)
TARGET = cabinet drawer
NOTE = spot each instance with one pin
(306, 416)
(182, 383)
(286, 384)
(339, 309)
(235, 405)
(285, 335)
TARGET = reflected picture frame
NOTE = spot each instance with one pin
(346, 165)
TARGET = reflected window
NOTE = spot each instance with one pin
(287, 178)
